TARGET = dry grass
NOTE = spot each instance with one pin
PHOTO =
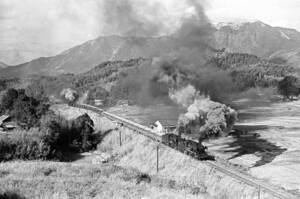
(176, 169)
(69, 180)
(81, 179)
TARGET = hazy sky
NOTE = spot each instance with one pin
(49, 26)
(284, 13)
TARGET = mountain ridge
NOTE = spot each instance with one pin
(3, 65)
(255, 38)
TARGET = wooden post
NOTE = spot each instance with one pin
(258, 191)
(120, 137)
(157, 159)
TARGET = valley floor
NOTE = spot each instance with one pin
(179, 175)
(269, 150)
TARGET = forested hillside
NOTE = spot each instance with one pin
(95, 83)
(250, 71)
(116, 80)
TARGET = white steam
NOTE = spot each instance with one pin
(203, 115)
(69, 94)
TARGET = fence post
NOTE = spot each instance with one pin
(258, 191)
(120, 138)
(157, 158)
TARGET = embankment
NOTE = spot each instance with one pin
(140, 153)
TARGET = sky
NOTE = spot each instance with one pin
(283, 13)
(33, 28)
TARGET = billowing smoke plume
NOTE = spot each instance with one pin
(185, 96)
(121, 16)
(184, 75)
(69, 94)
(144, 18)
(203, 116)
(189, 63)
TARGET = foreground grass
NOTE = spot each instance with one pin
(40, 179)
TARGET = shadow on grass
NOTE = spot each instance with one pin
(247, 142)
(11, 195)
(70, 157)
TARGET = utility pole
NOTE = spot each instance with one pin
(157, 158)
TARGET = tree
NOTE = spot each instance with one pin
(24, 109)
(288, 87)
(9, 98)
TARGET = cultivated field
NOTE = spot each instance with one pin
(271, 150)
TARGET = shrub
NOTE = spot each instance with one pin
(143, 177)
(63, 136)
(23, 146)
(11, 195)
(289, 87)
(8, 99)
(22, 108)
(55, 140)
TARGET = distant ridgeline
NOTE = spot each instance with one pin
(105, 81)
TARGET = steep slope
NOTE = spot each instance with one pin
(256, 38)
(84, 57)
(3, 65)
(96, 81)
(292, 56)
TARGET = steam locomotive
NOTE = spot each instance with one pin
(185, 144)
(176, 138)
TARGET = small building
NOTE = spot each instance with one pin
(4, 118)
(6, 124)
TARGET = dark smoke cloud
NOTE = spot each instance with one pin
(196, 30)
(121, 16)
(186, 64)
(189, 64)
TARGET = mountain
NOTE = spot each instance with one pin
(15, 52)
(255, 38)
(259, 39)
(3, 65)
(84, 57)
(97, 81)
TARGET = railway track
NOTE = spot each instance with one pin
(261, 186)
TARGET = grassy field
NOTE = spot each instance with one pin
(85, 178)
(138, 152)
(73, 180)
(179, 175)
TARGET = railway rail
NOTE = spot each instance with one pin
(275, 191)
